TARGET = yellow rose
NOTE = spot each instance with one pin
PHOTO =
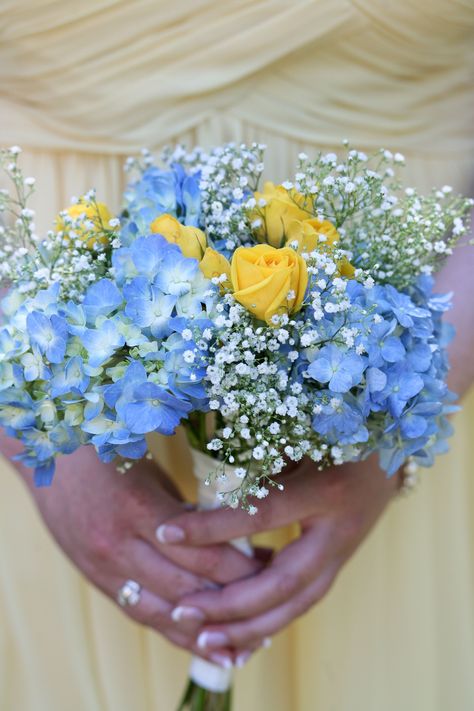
(312, 234)
(320, 235)
(95, 212)
(345, 268)
(191, 240)
(262, 277)
(281, 208)
(214, 264)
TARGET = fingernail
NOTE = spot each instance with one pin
(186, 613)
(267, 642)
(242, 659)
(222, 661)
(169, 534)
(212, 639)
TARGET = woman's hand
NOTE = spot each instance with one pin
(106, 522)
(336, 508)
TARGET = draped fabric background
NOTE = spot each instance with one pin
(84, 84)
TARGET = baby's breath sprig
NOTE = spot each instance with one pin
(263, 412)
(230, 175)
(17, 228)
(394, 234)
(75, 254)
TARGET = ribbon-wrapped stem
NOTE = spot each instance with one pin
(210, 686)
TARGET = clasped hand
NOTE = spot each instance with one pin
(197, 590)
(335, 509)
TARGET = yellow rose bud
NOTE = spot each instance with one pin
(214, 264)
(263, 277)
(345, 268)
(191, 240)
(96, 213)
(281, 208)
(312, 234)
(319, 235)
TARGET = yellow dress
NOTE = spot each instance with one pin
(84, 84)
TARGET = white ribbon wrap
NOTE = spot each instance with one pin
(212, 676)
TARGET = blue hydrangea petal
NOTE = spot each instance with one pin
(101, 299)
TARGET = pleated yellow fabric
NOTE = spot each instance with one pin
(84, 84)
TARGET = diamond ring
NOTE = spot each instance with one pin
(129, 594)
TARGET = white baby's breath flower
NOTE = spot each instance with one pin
(258, 453)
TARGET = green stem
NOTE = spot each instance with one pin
(196, 698)
(196, 431)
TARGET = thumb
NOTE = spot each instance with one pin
(279, 509)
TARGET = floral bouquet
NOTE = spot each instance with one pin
(301, 316)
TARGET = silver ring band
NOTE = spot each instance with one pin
(129, 594)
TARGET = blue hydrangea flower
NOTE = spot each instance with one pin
(403, 307)
(341, 370)
(49, 334)
(148, 307)
(177, 274)
(382, 345)
(152, 409)
(159, 192)
(402, 385)
(34, 367)
(16, 409)
(340, 419)
(69, 377)
(101, 299)
(102, 342)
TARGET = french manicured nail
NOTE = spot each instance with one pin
(242, 659)
(187, 613)
(267, 642)
(212, 639)
(222, 661)
(169, 534)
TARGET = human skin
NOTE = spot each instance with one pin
(335, 509)
(105, 523)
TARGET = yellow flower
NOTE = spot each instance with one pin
(97, 213)
(319, 235)
(345, 268)
(263, 277)
(281, 208)
(214, 264)
(312, 234)
(191, 240)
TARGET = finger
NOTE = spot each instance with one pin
(290, 571)
(244, 634)
(155, 612)
(152, 611)
(157, 573)
(278, 509)
(221, 563)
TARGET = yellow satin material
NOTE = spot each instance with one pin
(82, 84)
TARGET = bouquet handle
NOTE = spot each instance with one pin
(207, 675)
